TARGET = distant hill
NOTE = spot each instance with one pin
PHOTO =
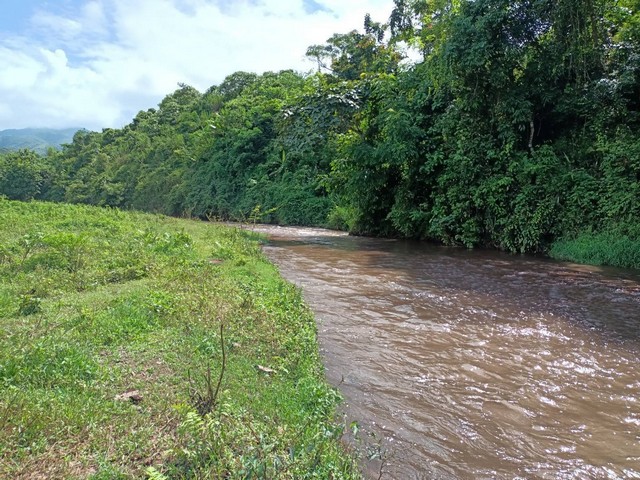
(38, 139)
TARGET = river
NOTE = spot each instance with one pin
(462, 364)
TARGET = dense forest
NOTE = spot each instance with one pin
(517, 129)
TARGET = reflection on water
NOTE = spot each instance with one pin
(475, 364)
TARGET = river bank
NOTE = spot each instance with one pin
(141, 346)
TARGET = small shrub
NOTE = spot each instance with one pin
(29, 305)
(341, 218)
(69, 248)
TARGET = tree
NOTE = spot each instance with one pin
(354, 54)
(22, 175)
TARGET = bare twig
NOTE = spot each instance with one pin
(532, 131)
(206, 403)
(224, 363)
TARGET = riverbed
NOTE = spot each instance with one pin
(461, 364)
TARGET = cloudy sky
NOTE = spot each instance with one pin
(96, 63)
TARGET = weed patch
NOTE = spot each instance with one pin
(617, 248)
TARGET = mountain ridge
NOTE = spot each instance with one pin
(37, 139)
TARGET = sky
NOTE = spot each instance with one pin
(96, 63)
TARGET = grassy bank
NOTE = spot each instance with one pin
(138, 346)
(617, 248)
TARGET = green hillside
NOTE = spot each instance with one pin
(37, 139)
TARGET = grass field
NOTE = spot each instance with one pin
(140, 346)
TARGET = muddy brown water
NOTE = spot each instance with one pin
(472, 365)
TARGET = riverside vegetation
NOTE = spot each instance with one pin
(517, 129)
(137, 345)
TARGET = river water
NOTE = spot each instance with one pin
(461, 364)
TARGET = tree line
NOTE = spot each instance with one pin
(516, 129)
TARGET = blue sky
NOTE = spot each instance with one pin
(96, 63)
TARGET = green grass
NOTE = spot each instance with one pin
(97, 302)
(613, 248)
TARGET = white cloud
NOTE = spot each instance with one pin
(114, 57)
(65, 28)
(19, 70)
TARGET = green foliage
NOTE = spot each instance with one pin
(615, 247)
(213, 441)
(355, 54)
(23, 174)
(29, 305)
(99, 365)
(255, 157)
(518, 128)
